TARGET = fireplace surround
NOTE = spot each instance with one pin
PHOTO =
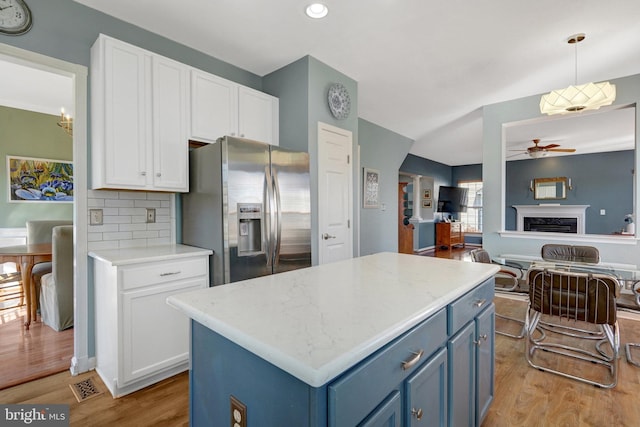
(548, 217)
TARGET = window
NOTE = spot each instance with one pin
(472, 218)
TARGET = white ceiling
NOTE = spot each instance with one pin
(424, 68)
(36, 90)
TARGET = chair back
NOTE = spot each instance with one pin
(62, 255)
(572, 295)
(39, 231)
(480, 255)
(559, 252)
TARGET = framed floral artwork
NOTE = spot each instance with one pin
(33, 180)
(370, 188)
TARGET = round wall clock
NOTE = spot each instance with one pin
(15, 17)
(339, 101)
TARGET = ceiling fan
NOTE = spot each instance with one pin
(536, 151)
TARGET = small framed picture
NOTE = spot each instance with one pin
(426, 195)
(426, 203)
(370, 188)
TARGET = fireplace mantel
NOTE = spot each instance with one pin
(549, 210)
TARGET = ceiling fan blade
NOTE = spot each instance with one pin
(563, 150)
(546, 147)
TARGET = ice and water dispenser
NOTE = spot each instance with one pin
(249, 229)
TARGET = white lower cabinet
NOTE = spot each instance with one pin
(139, 338)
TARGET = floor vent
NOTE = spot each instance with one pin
(85, 389)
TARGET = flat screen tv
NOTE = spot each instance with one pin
(452, 199)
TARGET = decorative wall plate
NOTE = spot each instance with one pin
(339, 101)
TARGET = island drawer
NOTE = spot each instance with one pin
(469, 306)
(353, 396)
(155, 273)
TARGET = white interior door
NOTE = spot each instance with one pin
(335, 206)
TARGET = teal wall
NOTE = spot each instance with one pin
(291, 85)
(608, 188)
(385, 151)
(494, 177)
(30, 134)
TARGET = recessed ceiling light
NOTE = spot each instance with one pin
(317, 10)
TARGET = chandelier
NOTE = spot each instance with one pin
(66, 122)
(589, 96)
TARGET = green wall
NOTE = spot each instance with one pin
(29, 134)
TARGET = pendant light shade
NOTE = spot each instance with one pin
(589, 96)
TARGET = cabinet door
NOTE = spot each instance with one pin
(485, 367)
(125, 127)
(214, 107)
(388, 414)
(426, 393)
(257, 115)
(461, 351)
(170, 140)
(154, 336)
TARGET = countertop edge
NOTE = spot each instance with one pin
(130, 256)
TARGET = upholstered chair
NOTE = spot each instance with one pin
(56, 293)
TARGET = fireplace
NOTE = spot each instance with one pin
(551, 225)
(551, 218)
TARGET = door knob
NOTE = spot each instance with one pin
(327, 236)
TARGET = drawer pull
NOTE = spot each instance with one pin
(417, 413)
(480, 303)
(408, 364)
(170, 273)
(482, 338)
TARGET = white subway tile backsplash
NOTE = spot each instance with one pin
(117, 203)
(124, 219)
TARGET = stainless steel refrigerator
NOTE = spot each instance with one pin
(250, 203)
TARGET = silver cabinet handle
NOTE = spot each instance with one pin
(327, 236)
(143, 173)
(480, 303)
(170, 273)
(482, 338)
(417, 413)
(158, 174)
(408, 364)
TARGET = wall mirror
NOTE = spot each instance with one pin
(550, 188)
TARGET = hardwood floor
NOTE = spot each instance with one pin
(524, 396)
(26, 355)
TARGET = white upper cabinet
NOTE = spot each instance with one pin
(257, 115)
(214, 102)
(140, 115)
(221, 107)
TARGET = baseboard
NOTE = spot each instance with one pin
(81, 365)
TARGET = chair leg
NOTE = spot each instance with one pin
(630, 359)
(513, 319)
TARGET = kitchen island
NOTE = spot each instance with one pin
(387, 336)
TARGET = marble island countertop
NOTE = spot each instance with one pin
(317, 322)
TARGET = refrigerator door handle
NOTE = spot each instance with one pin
(268, 215)
(278, 216)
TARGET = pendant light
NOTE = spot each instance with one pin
(589, 96)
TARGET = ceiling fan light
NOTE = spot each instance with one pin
(538, 154)
(590, 96)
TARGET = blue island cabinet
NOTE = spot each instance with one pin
(439, 373)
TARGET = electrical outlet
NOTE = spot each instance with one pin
(603, 212)
(95, 216)
(238, 413)
(151, 215)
